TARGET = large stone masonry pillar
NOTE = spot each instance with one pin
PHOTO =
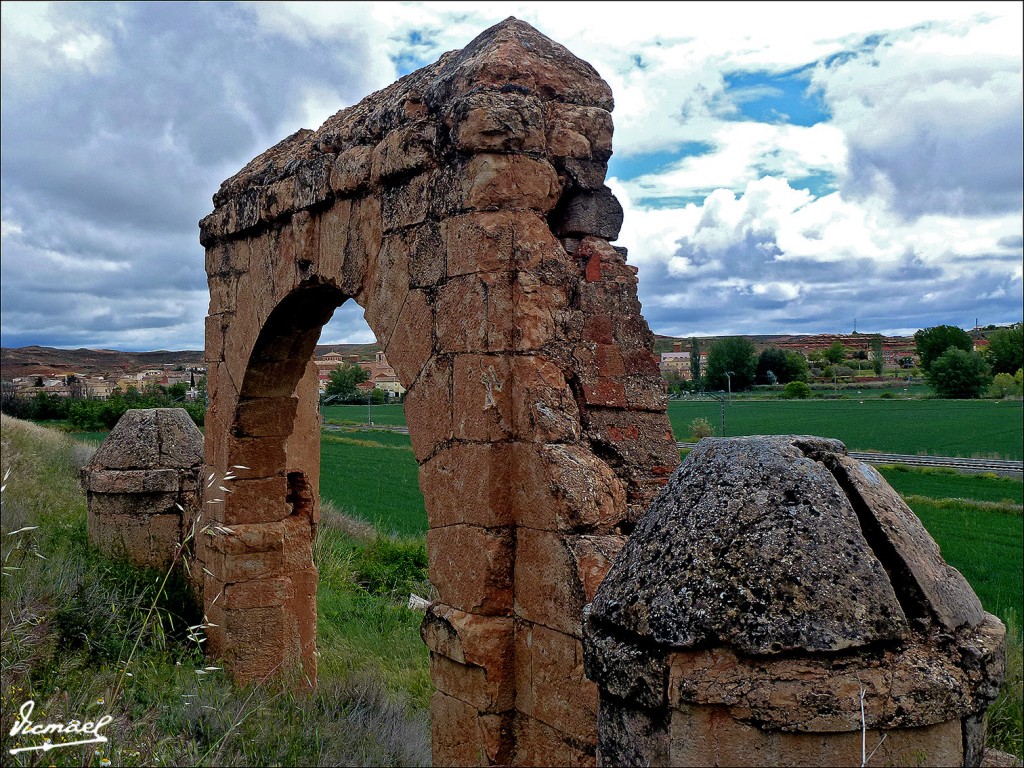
(781, 605)
(143, 486)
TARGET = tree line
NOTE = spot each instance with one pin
(951, 366)
(101, 415)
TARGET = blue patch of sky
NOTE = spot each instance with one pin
(818, 184)
(679, 201)
(866, 45)
(630, 166)
(416, 54)
(768, 97)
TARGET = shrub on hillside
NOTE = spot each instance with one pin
(392, 566)
(700, 428)
(796, 390)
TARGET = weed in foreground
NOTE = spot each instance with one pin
(1006, 715)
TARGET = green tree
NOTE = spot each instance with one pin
(1006, 349)
(784, 366)
(695, 359)
(959, 374)
(933, 342)
(877, 355)
(344, 379)
(736, 357)
(836, 353)
(796, 367)
(772, 360)
(675, 381)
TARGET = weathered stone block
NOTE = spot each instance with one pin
(255, 643)
(333, 224)
(351, 171)
(567, 488)
(557, 694)
(265, 416)
(278, 200)
(498, 122)
(463, 737)
(534, 244)
(312, 181)
(486, 689)
(482, 398)
(474, 313)
(510, 181)
(428, 407)
(264, 456)
(408, 204)
(471, 567)
(479, 242)
(403, 152)
(579, 131)
(537, 308)
(257, 593)
(256, 500)
(539, 744)
(555, 573)
(484, 641)
(427, 256)
(544, 408)
(591, 213)
(386, 287)
(469, 483)
(412, 342)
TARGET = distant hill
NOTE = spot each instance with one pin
(35, 360)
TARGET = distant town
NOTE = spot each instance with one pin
(100, 374)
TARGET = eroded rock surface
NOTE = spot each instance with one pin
(772, 583)
(143, 485)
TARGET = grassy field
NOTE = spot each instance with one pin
(373, 476)
(965, 428)
(387, 415)
(940, 483)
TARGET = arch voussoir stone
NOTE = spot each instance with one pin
(464, 208)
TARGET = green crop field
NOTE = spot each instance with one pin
(984, 546)
(966, 428)
(948, 484)
(387, 415)
(373, 476)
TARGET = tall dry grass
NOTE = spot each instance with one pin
(84, 636)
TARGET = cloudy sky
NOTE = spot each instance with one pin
(785, 168)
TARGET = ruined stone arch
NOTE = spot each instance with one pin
(464, 208)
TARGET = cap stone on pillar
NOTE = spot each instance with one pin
(143, 485)
(772, 584)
